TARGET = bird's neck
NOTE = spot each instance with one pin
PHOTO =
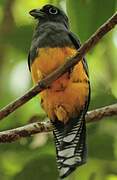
(49, 26)
(51, 34)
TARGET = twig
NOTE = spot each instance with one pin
(39, 127)
(98, 114)
(91, 42)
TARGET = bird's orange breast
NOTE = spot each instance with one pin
(67, 95)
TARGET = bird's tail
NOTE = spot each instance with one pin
(70, 145)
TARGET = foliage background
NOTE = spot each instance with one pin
(34, 158)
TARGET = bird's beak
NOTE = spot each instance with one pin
(36, 13)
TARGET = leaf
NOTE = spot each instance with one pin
(41, 168)
(101, 146)
(2, 2)
(87, 15)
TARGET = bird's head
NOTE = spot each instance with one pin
(50, 13)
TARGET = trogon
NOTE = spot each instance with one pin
(66, 100)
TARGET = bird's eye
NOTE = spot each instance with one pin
(53, 11)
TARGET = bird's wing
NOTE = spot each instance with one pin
(32, 54)
(77, 44)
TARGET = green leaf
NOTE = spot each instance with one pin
(87, 15)
(101, 146)
(41, 168)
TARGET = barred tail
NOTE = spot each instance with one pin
(70, 145)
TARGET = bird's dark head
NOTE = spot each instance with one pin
(50, 13)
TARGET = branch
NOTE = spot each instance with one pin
(91, 42)
(39, 127)
(100, 113)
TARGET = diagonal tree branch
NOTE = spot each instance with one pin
(90, 43)
(39, 127)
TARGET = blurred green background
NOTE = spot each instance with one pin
(34, 158)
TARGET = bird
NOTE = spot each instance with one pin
(67, 99)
